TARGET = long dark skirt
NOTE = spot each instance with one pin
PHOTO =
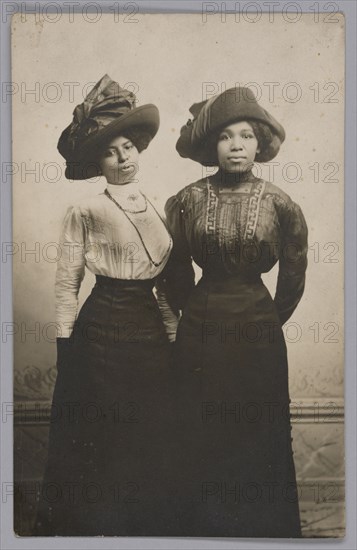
(108, 447)
(235, 471)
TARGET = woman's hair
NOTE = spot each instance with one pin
(139, 138)
(268, 141)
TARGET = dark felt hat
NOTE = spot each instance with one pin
(107, 111)
(209, 116)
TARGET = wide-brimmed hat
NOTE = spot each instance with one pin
(107, 111)
(233, 105)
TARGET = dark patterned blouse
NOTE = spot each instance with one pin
(237, 229)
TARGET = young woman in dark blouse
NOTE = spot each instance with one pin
(234, 469)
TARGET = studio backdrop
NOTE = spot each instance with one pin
(295, 67)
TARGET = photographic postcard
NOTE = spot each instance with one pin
(179, 434)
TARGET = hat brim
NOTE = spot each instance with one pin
(145, 118)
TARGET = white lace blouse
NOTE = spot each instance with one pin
(118, 234)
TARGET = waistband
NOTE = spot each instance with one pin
(210, 276)
(110, 282)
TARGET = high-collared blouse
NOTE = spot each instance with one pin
(120, 236)
(236, 229)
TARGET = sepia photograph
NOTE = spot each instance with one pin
(178, 271)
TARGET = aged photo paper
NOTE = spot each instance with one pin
(293, 63)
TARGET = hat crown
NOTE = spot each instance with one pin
(237, 93)
(106, 101)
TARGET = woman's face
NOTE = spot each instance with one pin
(237, 147)
(119, 161)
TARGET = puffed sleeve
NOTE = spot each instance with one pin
(292, 261)
(70, 271)
(179, 275)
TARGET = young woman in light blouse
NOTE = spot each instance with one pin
(107, 463)
(235, 470)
